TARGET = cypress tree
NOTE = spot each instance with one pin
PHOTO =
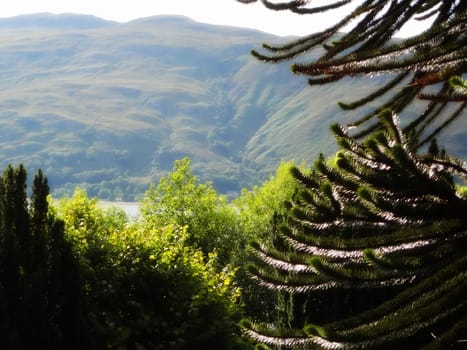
(15, 253)
(40, 290)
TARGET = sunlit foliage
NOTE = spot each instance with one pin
(180, 199)
(146, 285)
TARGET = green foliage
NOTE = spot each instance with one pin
(463, 191)
(258, 207)
(88, 226)
(213, 225)
(459, 84)
(179, 199)
(146, 285)
(260, 211)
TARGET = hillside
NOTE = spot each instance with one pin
(110, 106)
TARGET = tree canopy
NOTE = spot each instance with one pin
(147, 286)
(180, 199)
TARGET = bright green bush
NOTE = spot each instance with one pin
(146, 286)
(180, 199)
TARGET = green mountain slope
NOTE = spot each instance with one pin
(110, 106)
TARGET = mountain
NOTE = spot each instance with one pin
(44, 21)
(110, 106)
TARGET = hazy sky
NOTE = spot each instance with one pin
(228, 12)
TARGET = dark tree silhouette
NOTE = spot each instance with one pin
(40, 288)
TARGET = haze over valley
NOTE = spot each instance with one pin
(109, 107)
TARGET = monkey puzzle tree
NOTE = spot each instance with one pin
(376, 246)
(373, 251)
(420, 66)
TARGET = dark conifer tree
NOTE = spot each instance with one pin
(376, 248)
(15, 255)
(40, 290)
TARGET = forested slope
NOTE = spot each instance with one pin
(110, 106)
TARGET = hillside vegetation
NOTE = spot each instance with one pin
(110, 106)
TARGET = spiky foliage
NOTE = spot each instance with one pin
(375, 246)
(420, 66)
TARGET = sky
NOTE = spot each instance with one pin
(225, 12)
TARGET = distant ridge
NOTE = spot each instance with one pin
(173, 20)
(55, 21)
(72, 21)
(167, 19)
(110, 106)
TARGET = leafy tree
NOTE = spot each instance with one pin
(40, 290)
(147, 287)
(421, 66)
(88, 226)
(217, 226)
(179, 199)
(258, 207)
(376, 250)
(260, 212)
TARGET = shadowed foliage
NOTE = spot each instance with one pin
(40, 286)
